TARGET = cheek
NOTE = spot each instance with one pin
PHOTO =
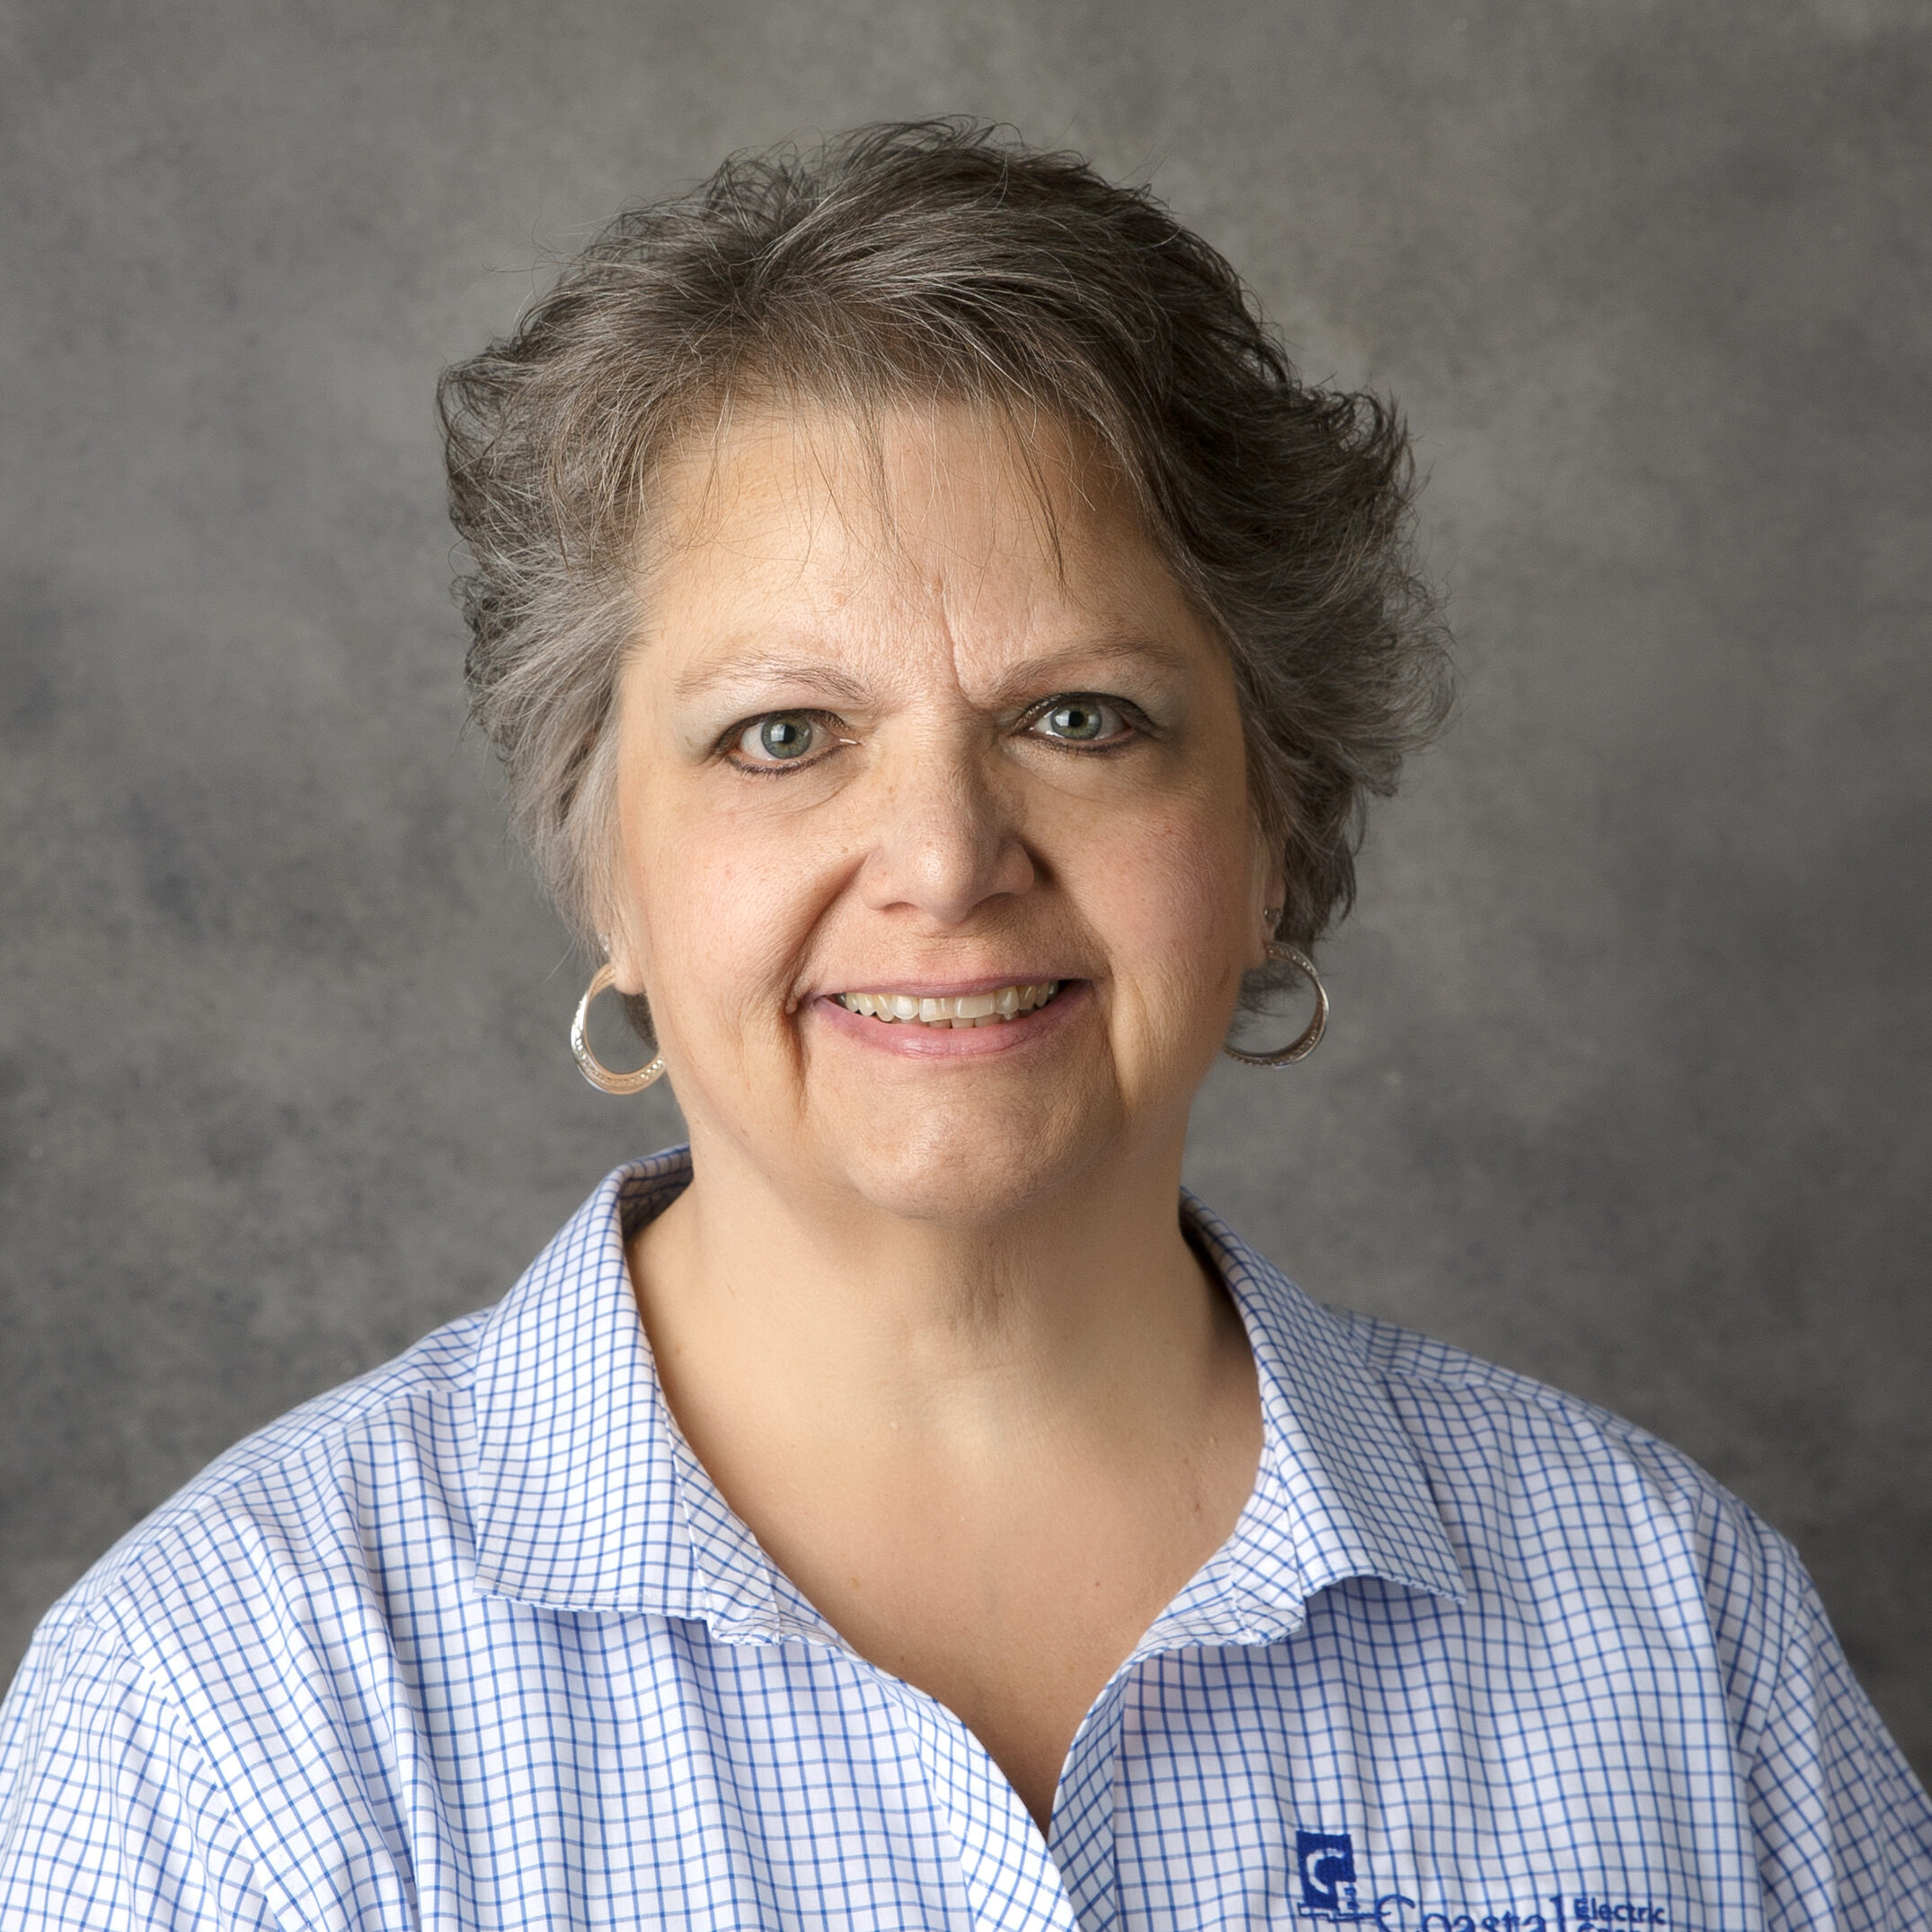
(723, 906)
(1171, 891)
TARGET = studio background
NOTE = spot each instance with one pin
(1626, 1085)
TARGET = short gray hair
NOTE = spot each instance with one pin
(939, 259)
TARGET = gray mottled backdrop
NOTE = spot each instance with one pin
(1627, 1085)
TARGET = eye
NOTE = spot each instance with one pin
(1081, 721)
(783, 738)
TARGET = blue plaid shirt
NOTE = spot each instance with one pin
(474, 1641)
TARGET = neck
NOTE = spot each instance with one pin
(1084, 1309)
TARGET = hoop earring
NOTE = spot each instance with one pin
(1311, 1037)
(588, 1064)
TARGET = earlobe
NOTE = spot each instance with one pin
(1273, 881)
(1271, 920)
(621, 956)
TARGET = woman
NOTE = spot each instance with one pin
(939, 652)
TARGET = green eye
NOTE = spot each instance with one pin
(787, 735)
(1080, 721)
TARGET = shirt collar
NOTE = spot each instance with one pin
(587, 1498)
(1340, 1491)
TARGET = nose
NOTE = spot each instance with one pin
(945, 837)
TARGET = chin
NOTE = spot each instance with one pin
(974, 1166)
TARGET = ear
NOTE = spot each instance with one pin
(618, 938)
(1268, 889)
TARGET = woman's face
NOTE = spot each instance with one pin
(920, 720)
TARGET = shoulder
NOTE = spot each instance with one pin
(1541, 1494)
(314, 1497)
(1605, 1571)
(1535, 1482)
(343, 1523)
(235, 1631)
(1483, 1420)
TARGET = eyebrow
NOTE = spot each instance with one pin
(760, 666)
(773, 666)
(1123, 647)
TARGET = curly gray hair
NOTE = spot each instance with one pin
(915, 261)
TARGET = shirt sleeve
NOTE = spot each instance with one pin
(109, 1816)
(1843, 1828)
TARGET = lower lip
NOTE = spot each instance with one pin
(911, 1041)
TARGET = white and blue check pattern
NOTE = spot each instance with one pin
(475, 1642)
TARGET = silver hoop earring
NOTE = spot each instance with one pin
(1298, 1048)
(588, 1064)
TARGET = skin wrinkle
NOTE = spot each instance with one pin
(1088, 475)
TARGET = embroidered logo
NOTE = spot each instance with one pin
(1331, 1894)
(1326, 1862)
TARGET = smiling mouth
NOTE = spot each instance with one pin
(964, 1010)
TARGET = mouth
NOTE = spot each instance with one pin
(957, 1013)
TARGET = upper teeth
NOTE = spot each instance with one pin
(965, 1009)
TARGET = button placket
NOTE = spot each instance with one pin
(1012, 1881)
(1082, 1839)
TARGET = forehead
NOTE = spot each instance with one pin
(944, 522)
